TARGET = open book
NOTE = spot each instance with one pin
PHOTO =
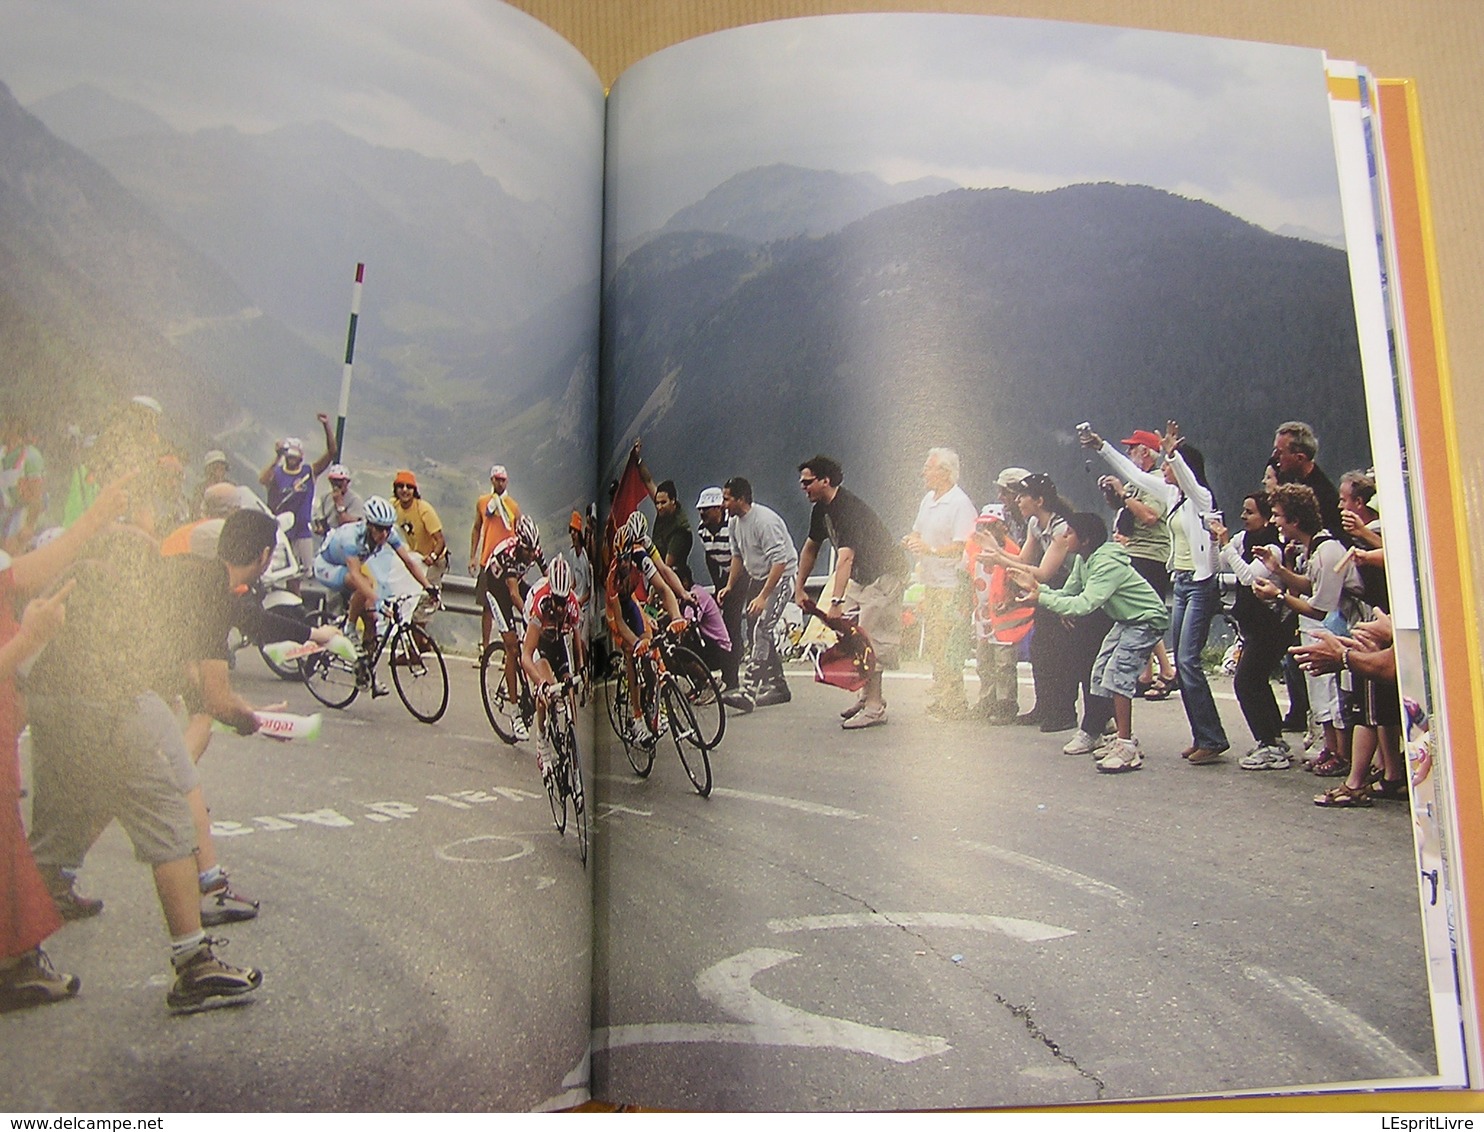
(861, 237)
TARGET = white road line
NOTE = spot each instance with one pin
(1029, 931)
(1393, 1061)
(1077, 880)
(799, 804)
(728, 985)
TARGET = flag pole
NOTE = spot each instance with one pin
(350, 353)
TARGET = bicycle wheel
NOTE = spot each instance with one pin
(330, 679)
(556, 784)
(687, 736)
(419, 673)
(621, 716)
(701, 689)
(504, 714)
(575, 790)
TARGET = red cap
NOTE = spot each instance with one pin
(1142, 436)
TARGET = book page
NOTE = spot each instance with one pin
(277, 247)
(874, 255)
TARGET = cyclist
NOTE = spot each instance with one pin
(504, 583)
(552, 612)
(353, 560)
(628, 623)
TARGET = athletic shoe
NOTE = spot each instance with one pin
(1122, 755)
(203, 981)
(866, 717)
(519, 729)
(544, 761)
(221, 905)
(639, 733)
(1205, 756)
(1264, 757)
(70, 905)
(739, 701)
(778, 694)
(33, 981)
(1079, 744)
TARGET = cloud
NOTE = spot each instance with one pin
(986, 102)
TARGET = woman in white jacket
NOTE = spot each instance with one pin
(1193, 569)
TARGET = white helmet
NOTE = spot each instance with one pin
(559, 578)
(379, 512)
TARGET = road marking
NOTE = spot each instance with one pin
(1326, 1012)
(1087, 884)
(766, 1021)
(1030, 931)
(448, 852)
(788, 803)
(607, 808)
(575, 1088)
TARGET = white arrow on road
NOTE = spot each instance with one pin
(768, 1022)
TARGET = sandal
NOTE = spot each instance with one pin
(1392, 788)
(1342, 797)
(1330, 765)
(1161, 687)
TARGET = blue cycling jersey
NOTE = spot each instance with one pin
(349, 541)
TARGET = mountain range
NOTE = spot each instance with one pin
(990, 321)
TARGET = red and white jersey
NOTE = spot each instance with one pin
(535, 609)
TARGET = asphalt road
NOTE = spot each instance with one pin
(923, 915)
(947, 914)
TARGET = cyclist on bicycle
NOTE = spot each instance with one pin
(635, 560)
(505, 572)
(354, 560)
(552, 612)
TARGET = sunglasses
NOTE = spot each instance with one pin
(803, 482)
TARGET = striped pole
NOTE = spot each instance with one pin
(350, 353)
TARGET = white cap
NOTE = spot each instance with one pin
(499, 470)
(710, 497)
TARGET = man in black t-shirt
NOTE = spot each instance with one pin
(1295, 448)
(108, 746)
(870, 572)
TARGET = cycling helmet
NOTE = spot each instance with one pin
(379, 512)
(559, 578)
(528, 533)
(637, 529)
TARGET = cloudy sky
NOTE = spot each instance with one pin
(457, 79)
(984, 102)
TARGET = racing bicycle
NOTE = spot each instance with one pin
(564, 784)
(418, 670)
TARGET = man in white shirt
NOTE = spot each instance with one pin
(945, 520)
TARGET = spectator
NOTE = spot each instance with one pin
(945, 520)
(495, 516)
(423, 531)
(1140, 525)
(762, 551)
(1000, 622)
(1295, 448)
(1193, 568)
(1267, 630)
(341, 505)
(714, 532)
(870, 572)
(1103, 580)
(290, 484)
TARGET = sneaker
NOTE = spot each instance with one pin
(775, 695)
(1079, 744)
(1205, 756)
(203, 981)
(519, 729)
(640, 734)
(866, 717)
(33, 981)
(70, 905)
(223, 905)
(1122, 755)
(544, 761)
(739, 701)
(1265, 757)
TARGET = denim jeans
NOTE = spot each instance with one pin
(1195, 604)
